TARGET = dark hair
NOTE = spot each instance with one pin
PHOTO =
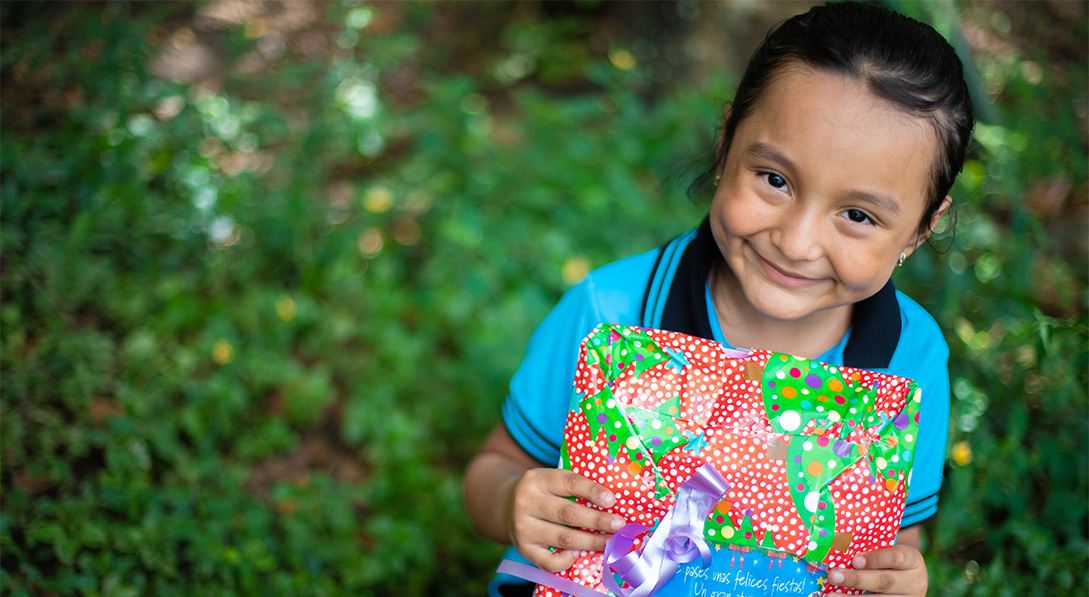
(901, 60)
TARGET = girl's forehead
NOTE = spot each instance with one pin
(855, 101)
(831, 128)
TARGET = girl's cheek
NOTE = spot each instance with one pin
(860, 269)
(744, 215)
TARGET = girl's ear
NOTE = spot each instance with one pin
(934, 219)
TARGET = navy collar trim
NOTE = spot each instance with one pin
(875, 322)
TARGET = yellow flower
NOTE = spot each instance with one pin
(575, 269)
(285, 308)
(962, 453)
(378, 200)
(622, 59)
(222, 352)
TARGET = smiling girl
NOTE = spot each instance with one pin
(833, 166)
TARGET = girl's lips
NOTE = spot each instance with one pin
(782, 277)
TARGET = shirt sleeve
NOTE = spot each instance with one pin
(536, 407)
(923, 345)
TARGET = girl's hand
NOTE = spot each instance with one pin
(540, 516)
(897, 570)
(512, 497)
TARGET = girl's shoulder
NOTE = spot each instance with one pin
(625, 273)
(622, 286)
(922, 353)
(615, 291)
(918, 324)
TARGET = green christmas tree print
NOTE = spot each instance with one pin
(648, 434)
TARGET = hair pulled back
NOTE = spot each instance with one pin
(900, 60)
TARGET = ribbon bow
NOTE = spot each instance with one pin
(677, 540)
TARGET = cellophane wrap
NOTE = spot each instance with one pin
(818, 457)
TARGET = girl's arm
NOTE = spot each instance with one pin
(897, 570)
(513, 498)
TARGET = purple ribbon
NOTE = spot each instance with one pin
(548, 579)
(677, 540)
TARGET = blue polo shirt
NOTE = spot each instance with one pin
(667, 289)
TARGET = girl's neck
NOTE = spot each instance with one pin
(745, 327)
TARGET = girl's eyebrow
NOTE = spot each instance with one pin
(879, 200)
(762, 151)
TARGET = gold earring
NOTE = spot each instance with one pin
(900, 262)
(718, 177)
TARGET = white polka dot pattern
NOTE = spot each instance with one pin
(723, 420)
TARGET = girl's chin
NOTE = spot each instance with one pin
(784, 315)
(782, 306)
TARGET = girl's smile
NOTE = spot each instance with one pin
(824, 185)
(781, 276)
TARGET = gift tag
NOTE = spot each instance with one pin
(734, 573)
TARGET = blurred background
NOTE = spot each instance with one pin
(268, 266)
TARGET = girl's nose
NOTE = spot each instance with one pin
(798, 234)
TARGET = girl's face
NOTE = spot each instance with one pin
(824, 185)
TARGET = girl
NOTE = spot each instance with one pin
(833, 165)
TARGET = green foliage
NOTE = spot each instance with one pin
(252, 334)
(1011, 294)
(254, 327)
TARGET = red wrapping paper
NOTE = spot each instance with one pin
(817, 456)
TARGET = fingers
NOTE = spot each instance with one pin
(874, 581)
(543, 516)
(544, 534)
(546, 496)
(566, 483)
(552, 561)
(898, 570)
(899, 557)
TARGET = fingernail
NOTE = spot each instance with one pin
(607, 500)
(616, 524)
(859, 562)
(835, 577)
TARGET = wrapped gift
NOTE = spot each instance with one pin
(811, 464)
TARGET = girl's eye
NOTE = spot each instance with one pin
(858, 216)
(775, 180)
